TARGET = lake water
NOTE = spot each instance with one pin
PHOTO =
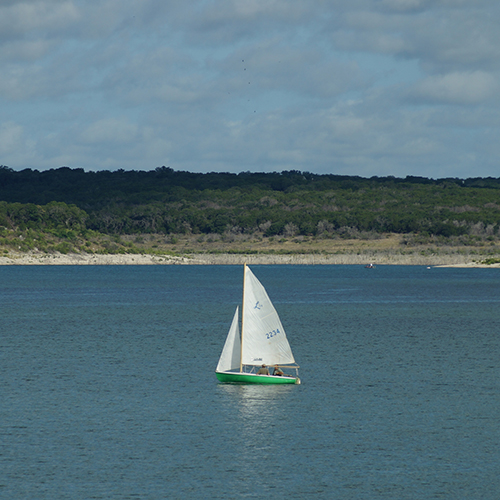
(108, 388)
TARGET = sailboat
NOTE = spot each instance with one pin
(262, 344)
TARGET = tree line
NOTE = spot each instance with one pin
(290, 203)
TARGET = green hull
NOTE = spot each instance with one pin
(252, 378)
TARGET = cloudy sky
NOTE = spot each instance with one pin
(357, 87)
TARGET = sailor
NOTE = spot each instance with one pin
(263, 370)
(277, 371)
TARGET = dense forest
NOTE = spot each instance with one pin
(285, 204)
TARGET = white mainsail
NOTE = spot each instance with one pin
(230, 357)
(263, 336)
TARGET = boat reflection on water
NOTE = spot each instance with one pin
(254, 401)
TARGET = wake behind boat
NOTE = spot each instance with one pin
(262, 345)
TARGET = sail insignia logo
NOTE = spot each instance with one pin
(258, 306)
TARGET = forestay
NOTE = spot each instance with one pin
(263, 336)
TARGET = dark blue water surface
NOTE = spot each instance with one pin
(108, 388)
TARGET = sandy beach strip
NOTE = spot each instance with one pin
(82, 259)
(35, 259)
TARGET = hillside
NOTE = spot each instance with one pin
(68, 210)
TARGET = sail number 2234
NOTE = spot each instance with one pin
(272, 334)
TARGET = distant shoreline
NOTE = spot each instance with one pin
(238, 259)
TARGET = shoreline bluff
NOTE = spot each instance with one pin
(239, 259)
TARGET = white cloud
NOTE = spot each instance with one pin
(15, 147)
(404, 5)
(20, 19)
(11, 137)
(110, 130)
(456, 88)
(25, 50)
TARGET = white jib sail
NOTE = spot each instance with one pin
(264, 339)
(230, 357)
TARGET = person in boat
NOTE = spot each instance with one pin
(277, 371)
(263, 370)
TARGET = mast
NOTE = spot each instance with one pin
(242, 316)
